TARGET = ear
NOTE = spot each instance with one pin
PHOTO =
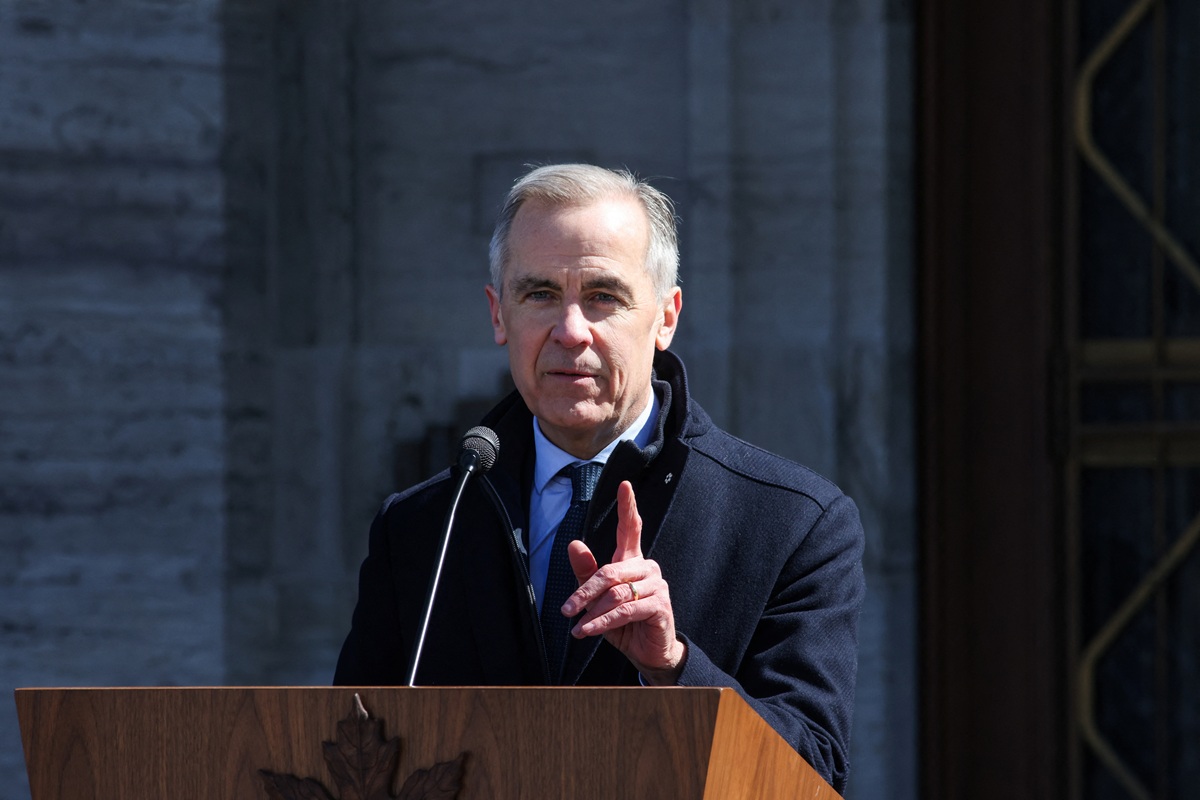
(497, 318)
(672, 304)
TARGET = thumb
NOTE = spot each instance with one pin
(583, 563)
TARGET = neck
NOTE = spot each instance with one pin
(586, 444)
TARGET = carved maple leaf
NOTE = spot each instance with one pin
(440, 782)
(289, 787)
(363, 763)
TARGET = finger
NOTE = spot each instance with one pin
(583, 563)
(615, 596)
(600, 580)
(618, 617)
(629, 524)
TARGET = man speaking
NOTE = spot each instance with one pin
(621, 537)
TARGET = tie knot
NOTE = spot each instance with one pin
(583, 480)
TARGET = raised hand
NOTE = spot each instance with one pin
(627, 601)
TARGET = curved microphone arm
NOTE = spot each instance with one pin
(480, 447)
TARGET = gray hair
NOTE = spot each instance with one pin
(562, 185)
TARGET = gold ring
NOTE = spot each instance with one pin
(633, 589)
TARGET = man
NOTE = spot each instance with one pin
(700, 560)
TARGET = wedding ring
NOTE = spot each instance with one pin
(633, 588)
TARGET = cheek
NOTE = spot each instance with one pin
(634, 362)
(523, 352)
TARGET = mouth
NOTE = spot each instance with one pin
(572, 374)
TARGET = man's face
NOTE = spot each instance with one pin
(579, 315)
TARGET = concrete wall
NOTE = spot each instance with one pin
(112, 457)
(244, 246)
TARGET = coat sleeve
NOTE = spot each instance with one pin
(373, 653)
(800, 667)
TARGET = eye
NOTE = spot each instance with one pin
(538, 295)
(605, 298)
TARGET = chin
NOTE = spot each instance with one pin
(577, 417)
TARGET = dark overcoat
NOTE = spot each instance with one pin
(763, 558)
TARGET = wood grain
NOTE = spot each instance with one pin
(535, 743)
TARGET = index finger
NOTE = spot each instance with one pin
(629, 525)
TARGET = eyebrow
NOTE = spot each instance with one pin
(530, 284)
(611, 283)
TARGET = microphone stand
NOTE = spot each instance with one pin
(469, 463)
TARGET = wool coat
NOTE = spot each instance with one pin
(762, 556)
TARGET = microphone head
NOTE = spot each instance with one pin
(484, 443)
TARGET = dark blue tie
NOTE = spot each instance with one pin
(560, 578)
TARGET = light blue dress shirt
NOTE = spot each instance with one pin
(551, 494)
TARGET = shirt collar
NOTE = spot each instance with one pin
(550, 459)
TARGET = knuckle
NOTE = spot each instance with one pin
(609, 573)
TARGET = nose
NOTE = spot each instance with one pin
(573, 328)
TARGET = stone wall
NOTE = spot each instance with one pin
(112, 456)
(244, 246)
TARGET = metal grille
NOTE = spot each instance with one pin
(1133, 371)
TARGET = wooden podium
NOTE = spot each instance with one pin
(376, 743)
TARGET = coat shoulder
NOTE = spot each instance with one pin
(752, 463)
(418, 494)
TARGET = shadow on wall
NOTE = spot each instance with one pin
(414, 460)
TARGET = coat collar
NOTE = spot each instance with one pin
(654, 471)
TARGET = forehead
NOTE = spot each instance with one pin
(612, 234)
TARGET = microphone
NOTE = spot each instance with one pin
(477, 453)
(480, 448)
